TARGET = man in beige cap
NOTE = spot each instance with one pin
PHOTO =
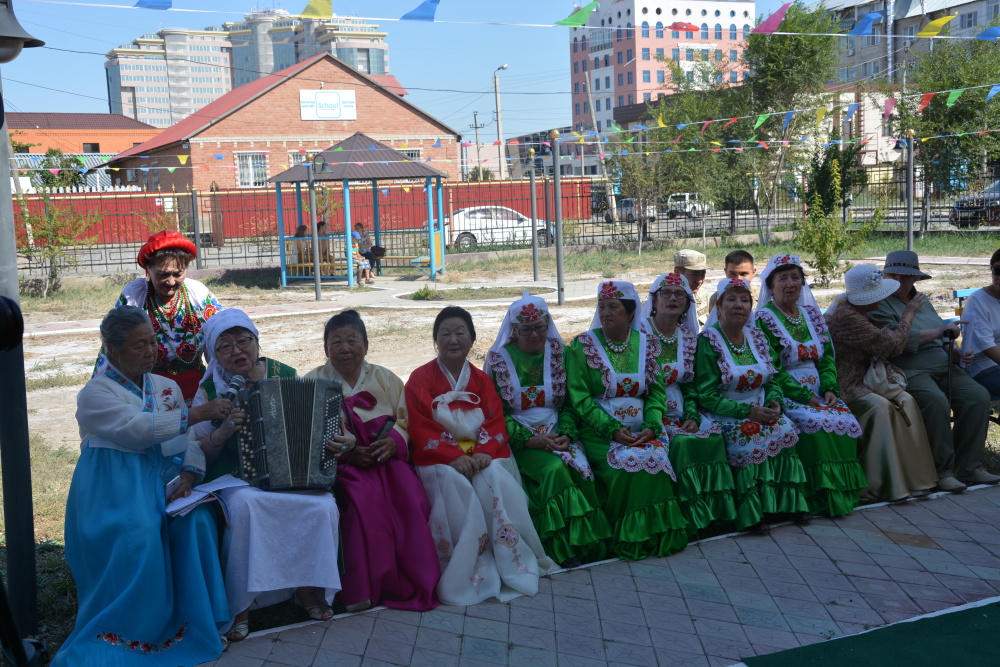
(692, 265)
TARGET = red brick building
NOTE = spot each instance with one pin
(260, 129)
(78, 133)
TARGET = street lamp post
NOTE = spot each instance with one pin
(496, 93)
(310, 169)
(14, 453)
(557, 196)
(534, 215)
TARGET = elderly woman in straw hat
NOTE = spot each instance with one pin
(959, 452)
(893, 450)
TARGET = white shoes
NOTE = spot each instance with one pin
(951, 485)
(981, 476)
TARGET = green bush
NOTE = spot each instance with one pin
(425, 293)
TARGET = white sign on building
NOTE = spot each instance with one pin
(327, 105)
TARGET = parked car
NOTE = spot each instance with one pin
(977, 208)
(687, 203)
(492, 225)
(629, 211)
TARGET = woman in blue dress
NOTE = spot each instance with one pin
(150, 587)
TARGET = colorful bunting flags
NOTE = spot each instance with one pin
(993, 91)
(819, 115)
(466, 144)
(707, 123)
(851, 110)
(183, 159)
(436, 144)
(681, 26)
(953, 97)
(925, 100)
(788, 119)
(338, 148)
(864, 26)
(889, 104)
(579, 16)
(731, 121)
(989, 35)
(761, 120)
(773, 21)
(171, 169)
(318, 9)
(677, 140)
(385, 192)
(218, 156)
(659, 120)
(424, 11)
(935, 26)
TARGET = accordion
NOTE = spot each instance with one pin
(282, 447)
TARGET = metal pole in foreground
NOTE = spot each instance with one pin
(557, 196)
(19, 521)
(315, 230)
(196, 226)
(534, 215)
(910, 190)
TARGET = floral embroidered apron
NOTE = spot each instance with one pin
(623, 399)
(800, 359)
(535, 408)
(748, 441)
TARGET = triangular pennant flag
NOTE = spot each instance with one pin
(753, 138)
(406, 189)
(982, 133)
(579, 16)
(763, 144)
(424, 11)
(707, 122)
(788, 119)
(864, 26)
(682, 126)
(784, 143)
(171, 169)
(659, 121)
(144, 168)
(496, 143)
(218, 156)
(640, 126)
(466, 144)
(953, 97)
(715, 150)
(361, 164)
(183, 159)
(731, 121)
(935, 26)
(600, 155)
(773, 21)
(715, 143)
(405, 145)
(924, 101)
(819, 115)
(624, 152)
(54, 172)
(385, 193)
(318, 9)
(629, 140)
(889, 104)
(284, 166)
(117, 168)
(436, 144)
(677, 139)
(989, 35)
(427, 160)
(740, 150)
(154, 4)
(993, 91)
(105, 159)
(373, 147)
(851, 110)
(761, 119)
(338, 148)
(924, 139)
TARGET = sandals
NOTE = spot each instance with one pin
(320, 612)
(241, 628)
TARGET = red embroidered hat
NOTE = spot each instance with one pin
(163, 240)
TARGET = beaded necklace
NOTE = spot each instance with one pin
(668, 347)
(618, 352)
(741, 354)
(160, 314)
(796, 326)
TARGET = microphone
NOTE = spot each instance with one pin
(235, 385)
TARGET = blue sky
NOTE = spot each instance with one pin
(438, 57)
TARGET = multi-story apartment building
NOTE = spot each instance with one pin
(623, 55)
(163, 77)
(877, 55)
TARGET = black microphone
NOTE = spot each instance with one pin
(235, 385)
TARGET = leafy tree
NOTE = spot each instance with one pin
(56, 231)
(826, 235)
(478, 174)
(68, 175)
(851, 179)
(17, 145)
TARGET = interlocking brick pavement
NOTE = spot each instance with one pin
(712, 604)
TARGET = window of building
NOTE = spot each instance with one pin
(645, 76)
(620, 61)
(688, 35)
(690, 76)
(992, 9)
(607, 104)
(631, 101)
(621, 100)
(733, 77)
(597, 83)
(659, 29)
(676, 76)
(675, 54)
(746, 30)
(295, 157)
(628, 55)
(659, 54)
(584, 65)
(875, 38)
(660, 76)
(597, 63)
(583, 43)
(718, 30)
(704, 55)
(732, 56)
(607, 61)
(674, 34)
(689, 54)
(607, 82)
(597, 105)
(970, 20)
(621, 79)
(630, 78)
(91, 148)
(586, 107)
(619, 33)
(576, 68)
(576, 88)
(576, 45)
(645, 54)
(848, 73)
(704, 31)
(576, 109)
(628, 31)
(732, 31)
(718, 55)
(598, 126)
(645, 30)
(718, 77)
(909, 34)
(251, 170)
(645, 97)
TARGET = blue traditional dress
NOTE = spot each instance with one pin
(150, 588)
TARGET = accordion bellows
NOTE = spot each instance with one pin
(290, 422)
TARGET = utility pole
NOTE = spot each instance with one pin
(609, 192)
(476, 126)
(496, 93)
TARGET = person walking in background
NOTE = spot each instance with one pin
(693, 265)
(959, 452)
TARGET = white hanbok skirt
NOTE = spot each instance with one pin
(277, 542)
(485, 540)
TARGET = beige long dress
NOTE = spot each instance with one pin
(894, 450)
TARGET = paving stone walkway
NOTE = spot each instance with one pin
(712, 604)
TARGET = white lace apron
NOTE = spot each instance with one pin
(623, 399)
(537, 408)
(675, 373)
(800, 359)
(748, 441)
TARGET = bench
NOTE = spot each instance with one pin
(962, 295)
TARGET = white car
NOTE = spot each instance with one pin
(686, 203)
(492, 225)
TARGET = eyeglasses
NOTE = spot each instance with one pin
(995, 269)
(676, 295)
(540, 329)
(244, 343)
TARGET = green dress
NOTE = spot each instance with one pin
(767, 473)
(608, 391)
(228, 461)
(562, 496)
(828, 438)
(704, 481)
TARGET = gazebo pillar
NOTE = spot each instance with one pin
(378, 235)
(431, 228)
(347, 230)
(298, 205)
(440, 218)
(281, 232)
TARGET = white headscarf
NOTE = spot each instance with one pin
(620, 289)
(722, 288)
(525, 310)
(690, 320)
(215, 326)
(806, 297)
